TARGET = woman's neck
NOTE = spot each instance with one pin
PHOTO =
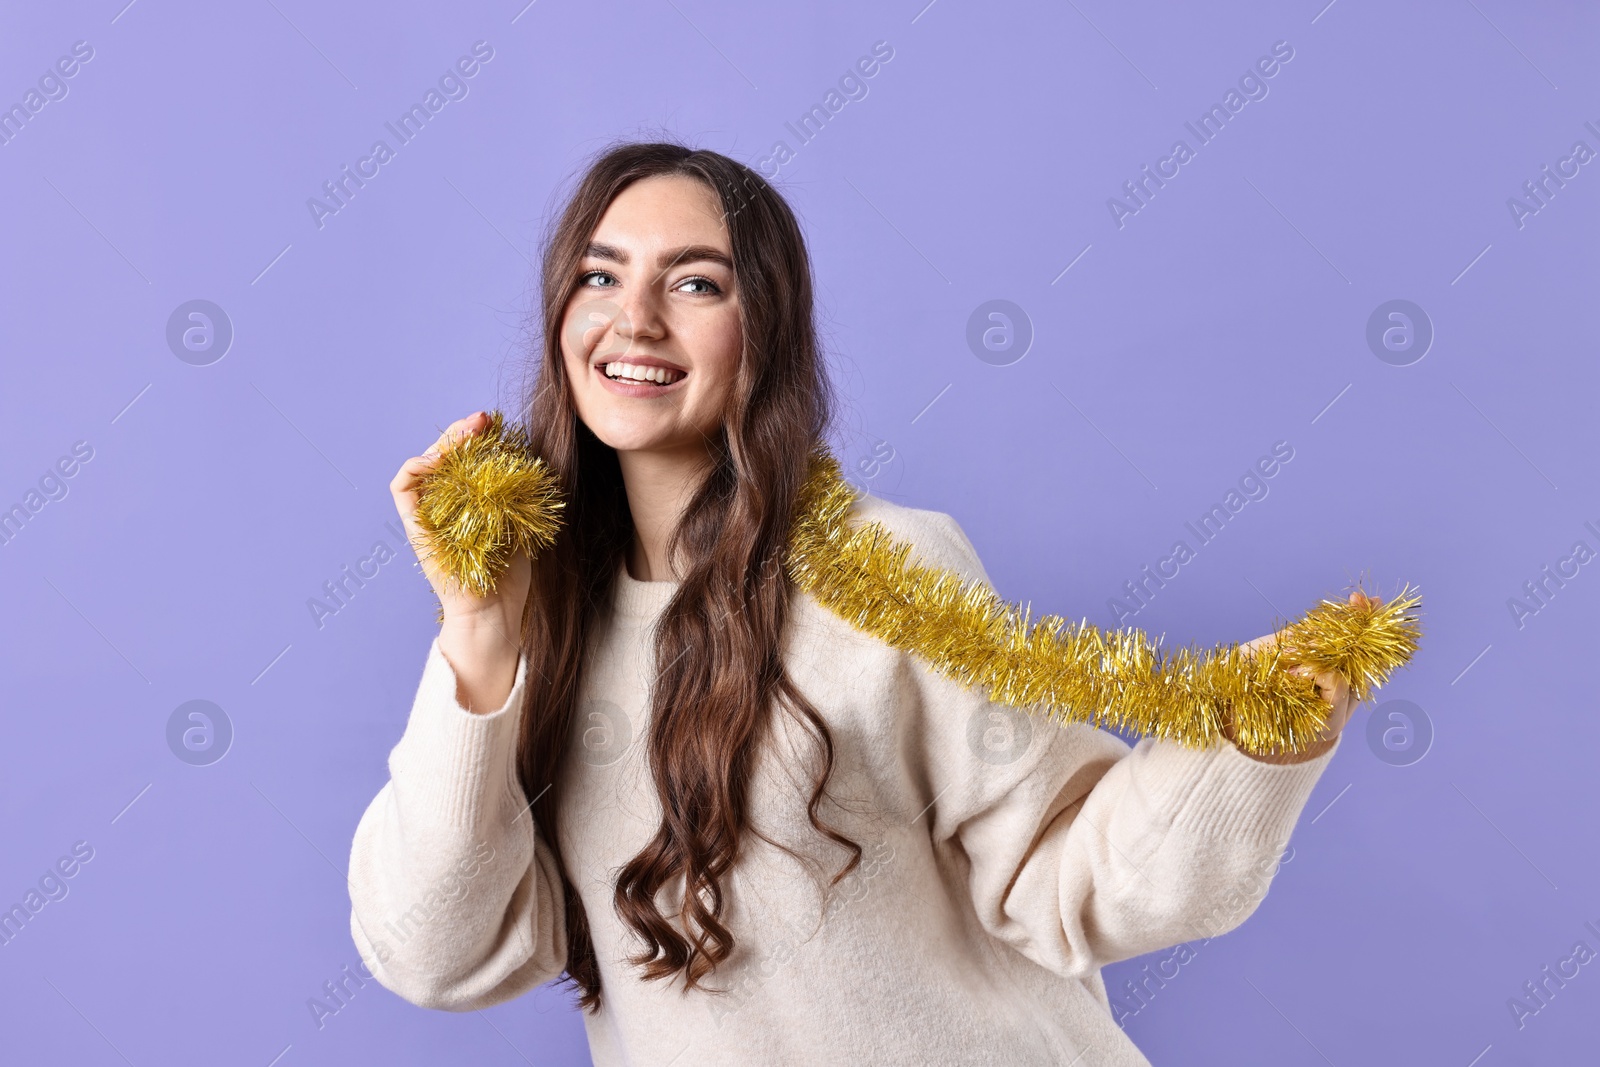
(659, 484)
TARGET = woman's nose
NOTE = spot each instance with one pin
(641, 317)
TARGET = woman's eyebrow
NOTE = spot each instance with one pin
(686, 254)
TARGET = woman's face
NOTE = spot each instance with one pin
(656, 298)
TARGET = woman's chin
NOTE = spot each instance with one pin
(644, 435)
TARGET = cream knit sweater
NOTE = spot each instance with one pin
(1006, 859)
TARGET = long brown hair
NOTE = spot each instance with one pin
(718, 663)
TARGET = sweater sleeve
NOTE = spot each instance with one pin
(1081, 850)
(456, 901)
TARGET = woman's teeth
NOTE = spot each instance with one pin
(635, 372)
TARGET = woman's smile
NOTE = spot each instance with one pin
(640, 377)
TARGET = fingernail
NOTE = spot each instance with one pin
(432, 453)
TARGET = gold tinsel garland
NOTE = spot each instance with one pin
(495, 498)
(1078, 673)
(486, 499)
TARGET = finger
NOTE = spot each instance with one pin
(1363, 599)
(405, 487)
(410, 473)
(1347, 703)
(1326, 683)
(1336, 691)
(457, 430)
(417, 465)
(1266, 641)
(446, 439)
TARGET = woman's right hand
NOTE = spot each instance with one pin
(480, 635)
(1332, 687)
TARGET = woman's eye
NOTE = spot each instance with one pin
(587, 277)
(710, 286)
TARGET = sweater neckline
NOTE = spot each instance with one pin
(640, 600)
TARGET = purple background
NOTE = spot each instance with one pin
(1229, 313)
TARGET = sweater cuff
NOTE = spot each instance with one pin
(1222, 794)
(458, 766)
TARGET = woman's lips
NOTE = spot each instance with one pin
(627, 388)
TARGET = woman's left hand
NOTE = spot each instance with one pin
(1331, 685)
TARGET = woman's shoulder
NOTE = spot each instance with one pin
(936, 538)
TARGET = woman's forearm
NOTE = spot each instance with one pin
(483, 655)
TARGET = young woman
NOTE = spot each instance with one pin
(745, 830)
